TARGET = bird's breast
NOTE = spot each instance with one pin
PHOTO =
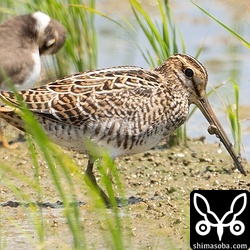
(115, 136)
(33, 74)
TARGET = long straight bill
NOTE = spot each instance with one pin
(216, 128)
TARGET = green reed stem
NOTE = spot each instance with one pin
(233, 115)
(235, 34)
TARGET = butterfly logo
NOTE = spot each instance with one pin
(203, 227)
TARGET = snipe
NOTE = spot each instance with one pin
(122, 110)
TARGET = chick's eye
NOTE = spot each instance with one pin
(189, 72)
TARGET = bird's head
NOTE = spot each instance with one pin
(51, 34)
(190, 76)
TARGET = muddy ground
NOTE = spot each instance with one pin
(160, 179)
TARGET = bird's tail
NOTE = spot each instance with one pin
(12, 117)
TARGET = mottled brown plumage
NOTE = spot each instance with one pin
(122, 111)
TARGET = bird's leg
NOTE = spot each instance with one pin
(5, 143)
(91, 177)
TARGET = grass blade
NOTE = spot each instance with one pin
(244, 42)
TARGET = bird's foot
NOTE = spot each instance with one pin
(6, 144)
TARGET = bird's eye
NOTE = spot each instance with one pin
(189, 72)
(50, 42)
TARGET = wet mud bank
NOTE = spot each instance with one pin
(157, 186)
